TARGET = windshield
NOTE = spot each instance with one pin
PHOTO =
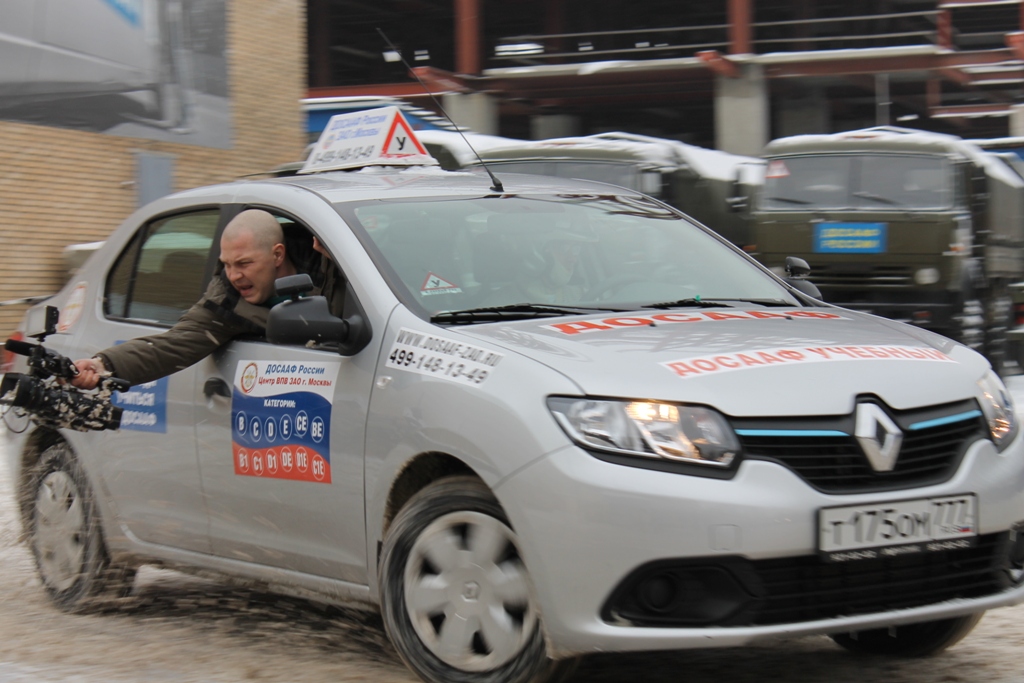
(607, 252)
(867, 182)
(625, 175)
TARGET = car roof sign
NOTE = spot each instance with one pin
(373, 137)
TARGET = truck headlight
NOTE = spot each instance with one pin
(927, 276)
(648, 429)
(997, 405)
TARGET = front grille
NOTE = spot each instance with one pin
(837, 464)
(805, 588)
(733, 591)
(874, 276)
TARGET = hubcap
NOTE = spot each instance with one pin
(466, 592)
(59, 537)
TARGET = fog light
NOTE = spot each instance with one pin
(658, 593)
(926, 276)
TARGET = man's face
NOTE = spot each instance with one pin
(251, 269)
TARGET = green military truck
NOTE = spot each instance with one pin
(920, 227)
(700, 182)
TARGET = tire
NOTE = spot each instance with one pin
(456, 600)
(65, 537)
(910, 640)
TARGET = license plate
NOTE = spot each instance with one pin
(860, 532)
(850, 238)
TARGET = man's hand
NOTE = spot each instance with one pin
(90, 372)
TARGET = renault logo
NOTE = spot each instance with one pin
(879, 437)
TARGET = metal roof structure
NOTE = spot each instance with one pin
(950, 66)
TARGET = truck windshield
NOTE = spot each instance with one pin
(589, 251)
(864, 182)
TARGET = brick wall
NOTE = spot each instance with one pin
(61, 186)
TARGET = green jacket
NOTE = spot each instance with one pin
(217, 318)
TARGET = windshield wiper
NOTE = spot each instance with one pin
(522, 311)
(789, 200)
(689, 303)
(877, 198)
(716, 303)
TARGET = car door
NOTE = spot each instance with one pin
(280, 434)
(149, 466)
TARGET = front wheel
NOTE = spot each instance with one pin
(455, 596)
(910, 640)
(65, 535)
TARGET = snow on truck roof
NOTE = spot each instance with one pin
(656, 153)
(894, 139)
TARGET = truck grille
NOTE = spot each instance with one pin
(826, 455)
(875, 276)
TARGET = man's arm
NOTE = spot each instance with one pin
(198, 334)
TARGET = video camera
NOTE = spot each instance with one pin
(50, 402)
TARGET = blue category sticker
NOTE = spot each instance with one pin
(144, 406)
(850, 238)
(130, 10)
(280, 419)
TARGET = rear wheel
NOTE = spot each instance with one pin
(910, 640)
(455, 596)
(65, 535)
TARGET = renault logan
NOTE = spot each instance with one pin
(555, 418)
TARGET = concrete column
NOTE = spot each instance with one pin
(545, 126)
(741, 111)
(1016, 120)
(476, 111)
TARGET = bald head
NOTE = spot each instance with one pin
(259, 225)
(253, 253)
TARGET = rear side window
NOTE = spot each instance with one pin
(162, 271)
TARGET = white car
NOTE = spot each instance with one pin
(557, 417)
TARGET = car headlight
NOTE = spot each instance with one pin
(648, 429)
(997, 405)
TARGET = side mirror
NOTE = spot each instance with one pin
(805, 286)
(293, 285)
(797, 271)
(304, 320)
(797, 267)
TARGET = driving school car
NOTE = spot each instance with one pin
(555, 417)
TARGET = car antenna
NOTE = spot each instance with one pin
(496, 186)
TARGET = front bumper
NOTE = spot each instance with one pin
(585, 525)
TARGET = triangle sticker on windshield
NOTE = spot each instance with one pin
(435, 284)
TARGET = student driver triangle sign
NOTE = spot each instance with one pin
(373, 137)
(401, 141)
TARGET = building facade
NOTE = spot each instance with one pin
(104, 111)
